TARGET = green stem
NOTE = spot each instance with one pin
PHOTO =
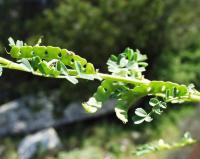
(123, 79)
(11, 65)
(15, 66)
(194, 98)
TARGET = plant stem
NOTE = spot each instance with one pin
(11, 65)
(123, 79)
(15, 66)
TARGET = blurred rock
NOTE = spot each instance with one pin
(33, 113)
(2, 149)
(39, 142)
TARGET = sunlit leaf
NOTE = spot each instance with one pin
(140, 112)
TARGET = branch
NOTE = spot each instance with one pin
(126, 81)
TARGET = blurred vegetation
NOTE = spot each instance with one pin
(167, 31)
(164, 30)
(99, 139)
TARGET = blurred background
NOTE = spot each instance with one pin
(42, 118)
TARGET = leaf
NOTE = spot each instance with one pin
(167, 94)
(80, 72)
(63, 69)
(92, 105)
(19, 43)
(40, 51)
(153, 102)
(15, 52)
(121, 110)
(27, 64)
(90, 68)
(174, 92)
(127, 64)
(26, 51)
(11, 41)
(113, 58)
(140, 112)
(121, 114)
(148, 118)
(157, 111)
(35, 62)
(163, 105)
(44, 68)
(139, 121)
(39, 41)
(129, 53)
(53, 52)
(123, 62)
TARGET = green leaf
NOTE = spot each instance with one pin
(27, 64)
(27, 51)
(163, 105)
(167, 94)
(129, 53)
(157, 111)
(15, 52)
(53, 52)
(40, 51)
(19, 43)
(90, 69)
(11, 41)
(63, 69)
(121, 111)
(123, 62)
(141, 120)
(153, 102)
(148, 118)
(140, 112)
(128, 64)
(113, 58)
(92, 105)
(35, 62)
(44, 68)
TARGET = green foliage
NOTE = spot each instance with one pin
(183, 67)
(161, 145)
(111, 25)
(51, 61)
(131, 64)
(128, 64)
(126, 83)
(157, 28)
